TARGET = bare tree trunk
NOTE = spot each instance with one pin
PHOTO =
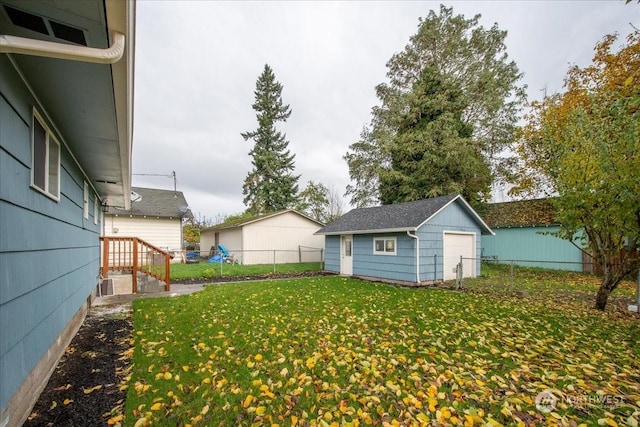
(603, 296)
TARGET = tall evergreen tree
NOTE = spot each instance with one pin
(432, 152)
(271, 184)
(464, 57)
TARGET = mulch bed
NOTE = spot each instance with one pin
(84, 389)
(267, 276)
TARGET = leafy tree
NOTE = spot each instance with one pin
(313, 201)
(320, 202)
(469, 63)
(192, 226)
(584, 145)
(270, 185)
(336, 205)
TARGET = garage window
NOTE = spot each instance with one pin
(45, 170)
(384, 245)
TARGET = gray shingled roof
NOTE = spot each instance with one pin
(157, 203)
(391, 218)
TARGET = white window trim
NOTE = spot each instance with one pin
(85, 200)
(395, 245)
(50, 140)
(95, 209)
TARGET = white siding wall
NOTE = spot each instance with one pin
(207, 239)
(161, 232)
(283, 233)
(232, 240)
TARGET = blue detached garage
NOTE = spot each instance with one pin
(414, 242)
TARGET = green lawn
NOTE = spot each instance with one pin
(206, 270)
(333, 351)
(546, 285)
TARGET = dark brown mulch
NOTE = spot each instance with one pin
(222, 279)
(84, 388)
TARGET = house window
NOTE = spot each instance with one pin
(347, 247)
(384, 245)
(45, 170)
(95, 209)
(85, 201)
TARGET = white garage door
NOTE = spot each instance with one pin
(458, 245)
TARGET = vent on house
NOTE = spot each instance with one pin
(38, 24)
(65, 32)
(26, 20)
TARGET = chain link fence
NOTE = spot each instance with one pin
(239, 262)
(267, 256)
(543, 279)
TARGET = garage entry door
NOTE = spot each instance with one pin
(456, 245)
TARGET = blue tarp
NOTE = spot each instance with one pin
(220, 257)
(216, 258)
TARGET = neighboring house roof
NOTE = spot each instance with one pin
(522, 213)
(155, 202)
(90, 98)
(241, 222)
(398, 217)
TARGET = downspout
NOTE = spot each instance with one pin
(415, 236)
(47, 49)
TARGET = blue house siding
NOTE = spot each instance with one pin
(49, 253)
(400, 266)
(332, 253)
(529, 247)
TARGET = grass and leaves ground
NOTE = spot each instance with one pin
(333, 351)
(548, 286)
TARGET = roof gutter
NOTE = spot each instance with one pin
(47, 49)
(415, 236)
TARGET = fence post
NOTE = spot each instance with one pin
(134, 276)
(299, 254)
(167, 272)
(322, 259)
(105, 257)
(274, 261)
(638, 294)
(435, 267)
(511, 278)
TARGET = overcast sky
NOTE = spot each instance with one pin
(197, 63)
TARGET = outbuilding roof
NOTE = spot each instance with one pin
(521, 213)
(239, 222)
(155, 202)
(398, 217)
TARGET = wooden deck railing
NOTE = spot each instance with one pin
(135, 255)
